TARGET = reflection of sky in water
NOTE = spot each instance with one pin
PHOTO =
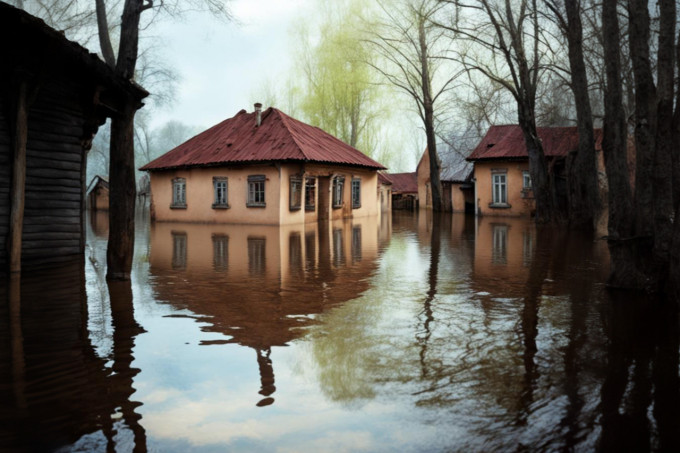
(380, 348)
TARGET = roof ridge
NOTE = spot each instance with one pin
(284, 120)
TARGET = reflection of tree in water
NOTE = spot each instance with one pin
(641, 377)
(62, 389)
(523, 365)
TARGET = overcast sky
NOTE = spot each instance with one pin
(222, 64)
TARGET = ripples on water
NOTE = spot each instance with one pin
(405, 335)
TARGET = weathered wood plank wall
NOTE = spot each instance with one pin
(53, 230)
(5, 172)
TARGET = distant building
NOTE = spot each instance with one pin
(455, 176)
(263, 168)
(404, 190)
(501, 168)
(98, 194)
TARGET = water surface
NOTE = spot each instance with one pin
(457, 334)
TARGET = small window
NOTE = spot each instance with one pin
(310, 194)
(500, 189)
(220, 200)
(295, 193)
(338, 183)
(179, 193)
(526, 180)
(256, 191)
(356, 193)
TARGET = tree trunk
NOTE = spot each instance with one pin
(538, 168)
(103, 33)
(428, 118)
(584, 198)
(624, 273)
(662, 183)
(122, 195)
(645, 116)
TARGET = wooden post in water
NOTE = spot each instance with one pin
(19, 122)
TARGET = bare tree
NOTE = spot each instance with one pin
(584, 203)
(412, 50)
(644, 239)
(122, 170)
(502, 40)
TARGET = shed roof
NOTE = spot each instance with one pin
(30, 42)
(507, 142)
(404, 182)
(97, 180)
(279, 137)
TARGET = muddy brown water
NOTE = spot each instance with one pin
(405, 334)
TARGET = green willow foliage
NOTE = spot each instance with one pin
(339, 92)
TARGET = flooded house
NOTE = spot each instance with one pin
(98, 194)
(501, 168)
(263, 167)
(456, 178)
(404, 190)
(55, 95)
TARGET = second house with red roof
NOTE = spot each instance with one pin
(263, 168)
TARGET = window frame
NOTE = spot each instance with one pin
(252, 191)
(526, 177)
(179, 200)
(310, 207)
(295, 188)
(356, 190)
(338, 192)
(217, 204)
(499, 188)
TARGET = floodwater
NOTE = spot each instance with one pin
(409, 334)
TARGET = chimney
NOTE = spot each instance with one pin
(258, 114)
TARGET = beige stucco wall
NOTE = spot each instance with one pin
(200, 194)
(519, 205)
(457, 198)
(423, 178)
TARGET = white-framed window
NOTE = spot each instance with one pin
(220, 190)
(526, 180)
(356, 193)
(499, 188)
(338, 185)
(179, 193)
(256, 191)
(295, 193)
(310, 194)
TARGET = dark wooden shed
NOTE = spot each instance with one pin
(54, 94)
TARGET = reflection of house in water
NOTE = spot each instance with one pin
(261, 285)
(54, 388)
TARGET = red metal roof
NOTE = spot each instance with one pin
(404, 182)
(278, 138)
(507, 142)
